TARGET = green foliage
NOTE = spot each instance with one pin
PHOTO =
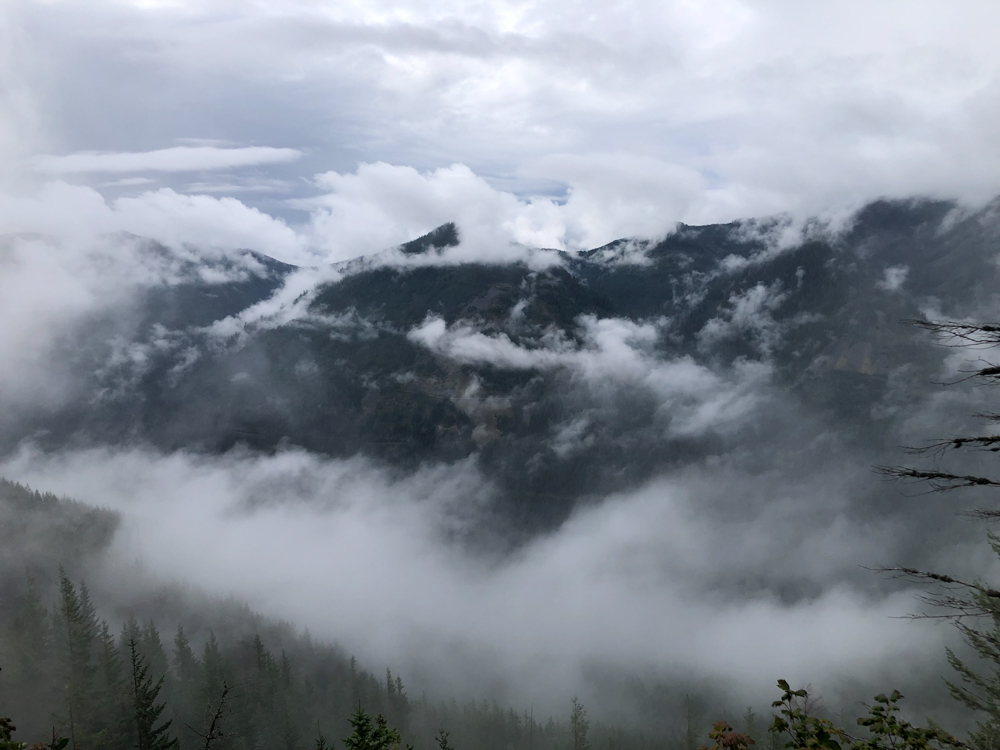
(146, 710)
(886, 730)
(980, 690)
(579, 726)
(724, 737)
(76, 635)
(442, 740)
(803, 730)
(371, 734)
(7, 741)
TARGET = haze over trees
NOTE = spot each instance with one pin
(514, 373)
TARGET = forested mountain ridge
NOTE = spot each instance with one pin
(410, 358)
(183, 666)
(746, 348)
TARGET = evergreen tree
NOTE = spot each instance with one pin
(187, 672)
(77, 632)
(30, 675)
(693, 721)
(151, 648)
(442, 740)
(369, 734)
(398, 705)
(112, 697)
(146, 710)
(974, 599)
(215, 696)
(579, 726)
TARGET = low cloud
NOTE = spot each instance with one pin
(642, 583)
(80, 214)
(614, 354)
(59, 293)
(176, 159)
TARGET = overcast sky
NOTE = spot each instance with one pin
(356, 125)
(319, 130)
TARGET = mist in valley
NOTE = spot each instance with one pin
(526, 408)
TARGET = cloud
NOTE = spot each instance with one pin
(81, 213)
(588, 125)
(614, 354)
(561, 125)
(893, 278)
(60, 294)
(381, 205)
(176, 159)
(643, 581)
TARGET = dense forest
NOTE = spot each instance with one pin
(152, 668)
(68, 671)
(72, 679)
(228, 674)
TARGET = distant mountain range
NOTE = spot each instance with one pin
(561, 377)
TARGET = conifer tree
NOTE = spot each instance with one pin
(579, 726)
(213, 675)
(77, 632)
(30, 678)
(187, 671)
(146, 709)
(30, 626)
(975, 605)
(151, 648)
(112, 702)
(442, 740)
(371, 734)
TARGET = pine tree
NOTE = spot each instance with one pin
(442, 740)
(579, 726)
(30, 678)
(371, 734)
(693, 721)
(77, 632)
(146, 710)
(151, 648)
(967, 600)
(213, 675)
(187, 671)
(112, 697)
(398, 704)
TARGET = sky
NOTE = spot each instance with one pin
(318, 131)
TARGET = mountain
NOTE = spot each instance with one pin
(560, 375)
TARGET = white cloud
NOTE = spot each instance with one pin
(893, 278)
(176, 159)
(643, 581)
(81, 213)
(615, 354)
(381, 205)
(53, 289)
(631, 119)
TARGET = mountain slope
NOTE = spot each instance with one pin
(561, 379)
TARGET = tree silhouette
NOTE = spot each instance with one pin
(146, 710)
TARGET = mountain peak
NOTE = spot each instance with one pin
(444, 236)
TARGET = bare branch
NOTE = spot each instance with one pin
(923, 575)
(983, 442)
(939, 481)
(215, 727)
(967, 335)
